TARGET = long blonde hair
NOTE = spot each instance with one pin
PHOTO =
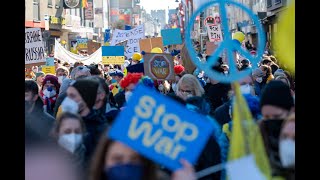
(192, 81)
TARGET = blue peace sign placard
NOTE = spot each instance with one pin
(227, 43)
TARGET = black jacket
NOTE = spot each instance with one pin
(217, 94)
(96, 123)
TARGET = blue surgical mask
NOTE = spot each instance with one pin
(124, 172)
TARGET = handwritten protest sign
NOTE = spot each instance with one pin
(49, 69)
(112, 54)
(158, 66)
(171, 36)
(82, 43)
(214, 32)
(34, 49)
(132, 36)
(161, 129)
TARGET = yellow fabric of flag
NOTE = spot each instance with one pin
(245, 135)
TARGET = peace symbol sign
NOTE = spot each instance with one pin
(228, 44)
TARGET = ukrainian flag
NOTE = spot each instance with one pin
(245, 135)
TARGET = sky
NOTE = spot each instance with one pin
(158, 4)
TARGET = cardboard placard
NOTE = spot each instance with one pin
(161, 129)
(186, 60)
(147, 45)
(210, 47)
(158, 66)
(93, 46)
(34, 48)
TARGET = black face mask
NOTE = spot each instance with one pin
(271, 129)
(28, 105)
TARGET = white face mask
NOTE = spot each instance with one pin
(245, 89)
(259, 79)
(127, 95)
(287, 152)
(49, 94)
(69, 105)
(70, 141)
(225, 72)
(61, 78)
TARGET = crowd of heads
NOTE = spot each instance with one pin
(73, 109)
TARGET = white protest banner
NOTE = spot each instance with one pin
(214, 32)
(34, 49)
(132, 36)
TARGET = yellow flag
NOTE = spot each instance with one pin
(284, 38)
(245, 136)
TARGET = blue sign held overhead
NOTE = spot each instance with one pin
(171, 36)
(161, 129)
(112, 51)
(49, 61)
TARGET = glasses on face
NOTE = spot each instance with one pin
(185, 91)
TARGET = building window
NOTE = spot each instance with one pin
(36, 10)
(57, 4)
(277, 2)
(269, 3)
(50, 3)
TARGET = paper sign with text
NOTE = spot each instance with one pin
(171, 36)
(214, 33)
(112, 55)
(132, 36)
(161, 129)
(159, 66)
(34, 49)
(49, 69)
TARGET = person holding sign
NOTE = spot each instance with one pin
(116, 161)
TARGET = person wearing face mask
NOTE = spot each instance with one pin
(114, 160)
(77, 73)
(276, 104)
(81, 96)
(287, 147)
(35, 117)
(189, 86)
(49, 93)
(69, 130)
(62, 73)
(258, 84)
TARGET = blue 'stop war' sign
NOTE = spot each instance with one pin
(161, 129)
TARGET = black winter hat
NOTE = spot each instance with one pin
(88, 90)
(277, 93)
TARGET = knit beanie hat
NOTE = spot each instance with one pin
(277, 93)
(279, 72)
(257, 72)
(40, 73)
(88, 90)
(53, 80)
